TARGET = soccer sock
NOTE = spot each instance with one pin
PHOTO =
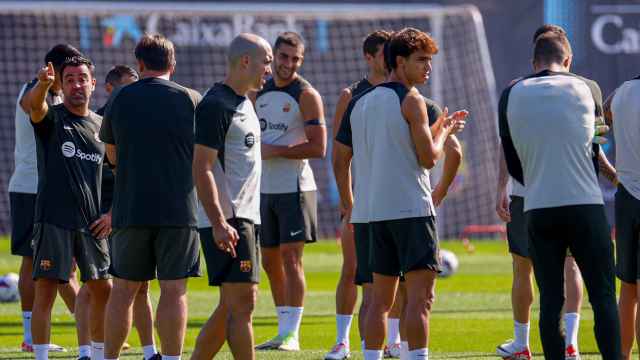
(295, 318)
(26, 327)
(41, 351)
(363, 347)
(149, 351)
(521, 332)
(343, 324)
(393, 331)
(97, 350)
(283, 312)
(404, 350)
(167, 357)
(419, 354)
(571, 325)
(84, 350)
(372, 354)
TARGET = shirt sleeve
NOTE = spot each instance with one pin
(212, 123)
(44, 127)
(106, 129)
(344, 135)
(514, 166)
(433, 111)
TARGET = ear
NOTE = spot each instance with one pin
(566, 63)
(172, 68)
(93, 84)
(109, 88)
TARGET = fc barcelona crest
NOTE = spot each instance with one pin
(245, 265)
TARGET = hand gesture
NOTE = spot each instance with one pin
(226, 237)
(502, 206)
(453, 123)
(47, 74)
(101, 228)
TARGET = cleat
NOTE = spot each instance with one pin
(157, 356)
(272, 344)
(339, 352)
(26, 347)
(289, 343)
(56, 348)
(571, 353)
(392, 351)
(84, 358)
(126, 346)
(509, 351)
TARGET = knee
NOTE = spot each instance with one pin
(381, 304)
(243, 304)
(173, 288)
(421, 303)
(99, 288)
(348, 270)
(291, 258)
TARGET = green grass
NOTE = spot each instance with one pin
(472, 313)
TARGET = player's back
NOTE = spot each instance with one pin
(625, 108)
(551, 118)
(152, 122)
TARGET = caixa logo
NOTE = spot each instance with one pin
(610, 35)
(69, 150)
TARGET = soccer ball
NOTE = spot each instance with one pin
(448, 263)
(9, 288)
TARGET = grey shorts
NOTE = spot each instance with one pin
(55, 248)
(517, 236)
(139, 253)
(404, 245)
(288, 218)
(627, 236)
(221, 267)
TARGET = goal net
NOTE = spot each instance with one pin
(462, 76)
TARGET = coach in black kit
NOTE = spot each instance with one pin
(149, 131)
(68, 203)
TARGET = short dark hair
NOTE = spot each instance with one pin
(556, 29)
(156, 52)
(59, 53)
(288, 38)
(118, 72)
(77, 61)
(374, 40)
(405, 42)
(551, 48)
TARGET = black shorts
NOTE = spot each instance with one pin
(55, 248)
(517, 236)
(22, 214)
(139, 253)
(362, 238)
(288, 218)
(404, 245)
(221, 267)
(627, 236)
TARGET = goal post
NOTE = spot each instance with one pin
(462, 76)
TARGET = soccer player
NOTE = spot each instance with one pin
(621, 109)
(227, 168)
(355, 272)
(148, 128)
(522, 286)
(393, 116)
(561, 188)
(68, 222)
(121, 75)
(23, 187)
(293, 130)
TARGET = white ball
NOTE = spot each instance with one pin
(448, 263)
(9, 288)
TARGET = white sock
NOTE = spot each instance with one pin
(393, 331)
(149, 351)
(343, 325)
(26, 327)
(295, 318)
(283, 316)
(404, 350)
(167, 357)
(419, 354)
(571, 325)
(372, 354)
(97, 350)
(84, 350)
(362, 346)
(41, 351)
(521, 332)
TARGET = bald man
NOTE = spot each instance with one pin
(227, 170)
(148, 129)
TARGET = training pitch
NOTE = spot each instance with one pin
(471, 315)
